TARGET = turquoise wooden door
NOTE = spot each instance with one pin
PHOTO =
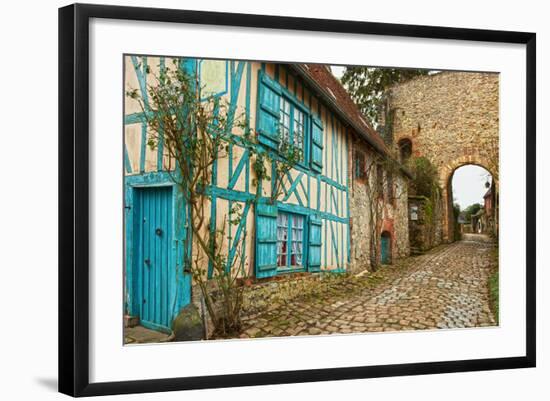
(385, 249)
(154, 265)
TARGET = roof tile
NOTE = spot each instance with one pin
(333, 88)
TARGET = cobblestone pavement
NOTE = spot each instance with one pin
(444, 288)
(141, 335)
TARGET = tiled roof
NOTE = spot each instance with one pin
(341, 100)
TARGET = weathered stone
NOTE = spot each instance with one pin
(424, 292)
(451, 118)
(253, 332)
(188, 325)
(141, 335)
(314, 330)
(393, 220)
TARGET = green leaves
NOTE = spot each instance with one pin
(366, 85)
(133, 94)
(471, 210)
(425, 174)
(259, 166)
(152, 143)
(196, 133)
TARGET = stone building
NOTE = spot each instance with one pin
(484, 221)
(452, 119)
(378, 207)
(490, 203)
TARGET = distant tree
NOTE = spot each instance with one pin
(456, 214)
(367, 85)
(471, 210)
(456, 210)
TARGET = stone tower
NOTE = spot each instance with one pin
(451, 118)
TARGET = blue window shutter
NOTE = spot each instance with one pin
(269, 98)
(314, 251)
(316, 144)
(266, 240)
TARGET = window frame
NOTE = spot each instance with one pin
(294, 103)
(288, 268)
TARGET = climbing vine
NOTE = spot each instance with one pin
(425, 183)
(381, 190)
(281, 164)
(194, 134)
(367, 85)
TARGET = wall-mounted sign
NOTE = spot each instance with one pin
(414, 213)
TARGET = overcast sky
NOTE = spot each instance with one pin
(337, 70)
(469, 185)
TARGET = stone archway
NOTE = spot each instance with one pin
(445, 180)
(451, 119)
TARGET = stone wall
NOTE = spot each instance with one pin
(401, 219)
(262, 295)
(449, 117)
(425, 224)
(394, 217)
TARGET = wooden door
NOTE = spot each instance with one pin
(385, 249)
(154, 265)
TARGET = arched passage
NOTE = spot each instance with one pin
(446, 179)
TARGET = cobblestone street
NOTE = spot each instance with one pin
(444, 288)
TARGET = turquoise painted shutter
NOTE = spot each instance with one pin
(316, 144)
(266, 240)
(269, 98)
(314, 251)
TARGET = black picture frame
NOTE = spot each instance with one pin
(74, 198)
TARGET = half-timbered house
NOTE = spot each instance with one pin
(307, 229)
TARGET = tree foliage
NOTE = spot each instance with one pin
(456, 226)
(456, 210)
(425, 183)
(367, 85)
(426, 179)
(471, 210)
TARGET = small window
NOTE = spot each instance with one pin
(290, 240)
(291, 124)
(360, 169)
(405, 149)
(284, 120)
(298, 129)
